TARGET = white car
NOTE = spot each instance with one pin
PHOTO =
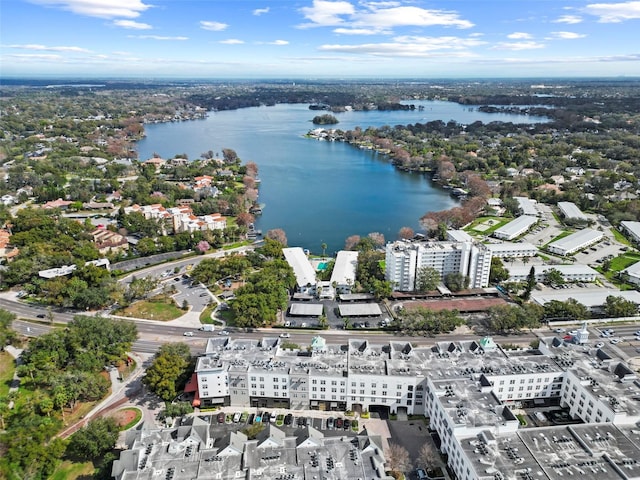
(637, 334)
(285, 335)
(223, 332)
(188, 334)
(599, 344)
(616, 340)
(605, 334)
(559, 330)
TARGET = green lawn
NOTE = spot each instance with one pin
(73, 471)
(476, 227)
(623, 261)
(153, 309)
(562, 235)
(7, 367)
(620, 237)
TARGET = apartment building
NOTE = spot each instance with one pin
(468, 389)
(404, 260)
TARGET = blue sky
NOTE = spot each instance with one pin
(319, 38)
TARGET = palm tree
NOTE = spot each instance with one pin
(324, 248)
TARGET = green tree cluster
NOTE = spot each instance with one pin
(510, 318)
(169, 370)
(59, 370)
(428, 321)
(263, 295)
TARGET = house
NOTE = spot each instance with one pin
(8, 199)
(109, 242)
(59, 203)
(157, 163)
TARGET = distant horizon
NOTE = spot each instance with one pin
(133, 77)
(320, 38)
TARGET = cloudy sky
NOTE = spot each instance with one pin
(319, 38)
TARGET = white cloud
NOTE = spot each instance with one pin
(614, 12)
(376, 17)
(566, 35)
(158, 37)
(213, 26)
(99, 8)
(260, 11)
(518, 46)
(409, 16)
(324, 13)
(33, 46)
(132, 25)
(232, 41)
(279, 42)
(33, 56)
(412, 46)
(520, 36)
(569, 19)
(360, 31)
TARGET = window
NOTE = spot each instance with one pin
(275, 380)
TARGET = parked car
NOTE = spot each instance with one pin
(220, 417)
(265, 417)
(421, 474)
(615, 341)
(330, 422)
(599, 344)
(347, 424)
(236, 417)
(188, 334)
(273, 417)
(339, 423)
(288, 419)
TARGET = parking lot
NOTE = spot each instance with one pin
(330, 424)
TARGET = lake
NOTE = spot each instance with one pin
(320, 192)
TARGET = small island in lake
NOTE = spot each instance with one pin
(325, 119)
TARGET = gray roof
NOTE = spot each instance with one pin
(515, 226)
(589, 297)
(581, 237)
(359, 309)
(302, 269)
(571, 210)
(306, 309)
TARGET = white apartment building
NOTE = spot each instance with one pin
(512, 250)
(404, 259)
(632, 228)
(576, 241)
(302, 269)
(343, 276)
(467, 389)
(570, 211)
(515, 227)
(181, 218)
(527, 206)
(570, 273)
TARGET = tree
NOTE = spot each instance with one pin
(278, 235)
(456, 281)
(498, 272)
(428, 457)
(406, 233)
(619, 307)
(427, 278)
(244, 219)
(351, 242)
(323, 246)
(570, 309)
(553, 276)
(94, 440)
(203, 246)
(377, 238)
(169, 370)
(398, 458)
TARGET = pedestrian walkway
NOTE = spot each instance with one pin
(15, 353)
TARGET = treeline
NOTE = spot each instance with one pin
(59, 370)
